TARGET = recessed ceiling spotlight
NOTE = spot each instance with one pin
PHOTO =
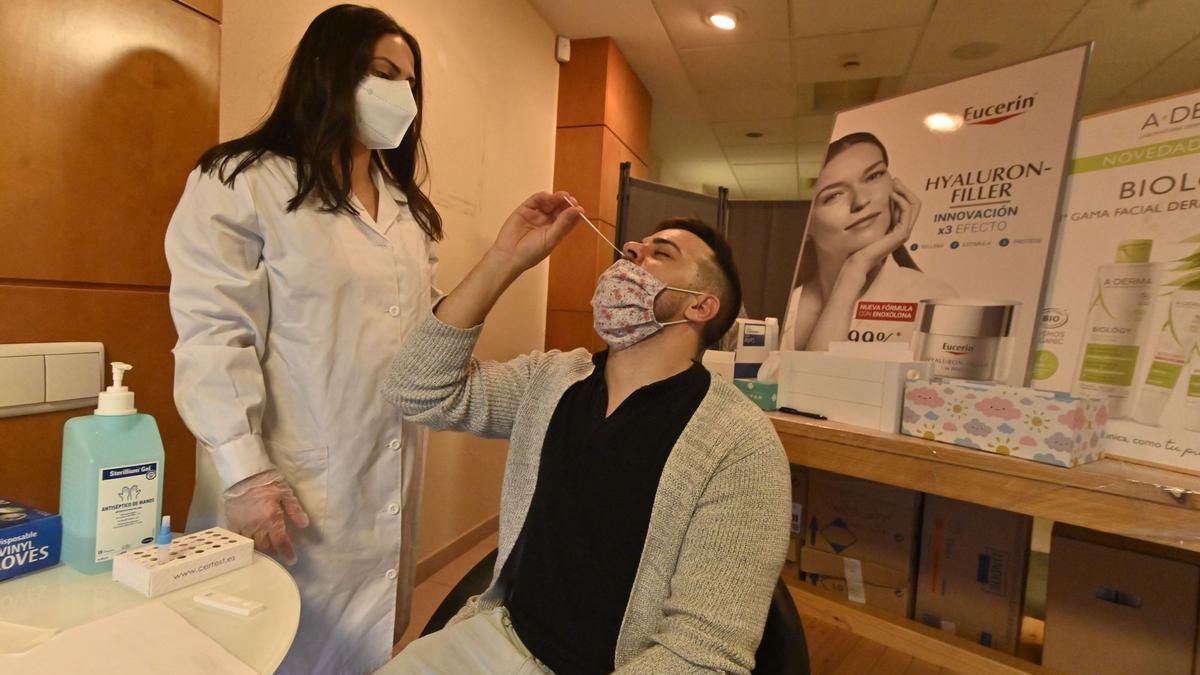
(974, 50)
(754, 134)
(943, 123)
(725, 20)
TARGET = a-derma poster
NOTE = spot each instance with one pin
(1122, 313)
(940, 203)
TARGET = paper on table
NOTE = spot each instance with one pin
(16, 638)
(148, 639)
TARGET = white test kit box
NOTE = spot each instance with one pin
(189, 559)
(864, 392)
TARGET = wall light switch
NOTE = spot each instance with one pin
(72, 376)
(47, 376)
(22, 380)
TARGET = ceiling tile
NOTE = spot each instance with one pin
(765, 64)
(804, 100)
(811, 152)
(774, 132)
(751, 103)
(760, 154)
(1130, 38)
(814, 128)
(822, 17)
(684, 21)
(808, 169)
(768, 181)
(1020, 28)
(880, 53)
(1179, 73)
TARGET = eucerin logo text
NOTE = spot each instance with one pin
(957, 350)
(996, 113)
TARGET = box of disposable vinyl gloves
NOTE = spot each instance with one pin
(1043, 426)
(29, 539)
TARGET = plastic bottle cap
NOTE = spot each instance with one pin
(116, 399)
(1134, 250)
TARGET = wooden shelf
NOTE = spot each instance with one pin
(911, 637)
(1114, 496)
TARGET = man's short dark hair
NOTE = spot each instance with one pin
(719, 274)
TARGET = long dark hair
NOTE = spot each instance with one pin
(313, 121)
(808, 257)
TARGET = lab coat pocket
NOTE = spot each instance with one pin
(307, 471)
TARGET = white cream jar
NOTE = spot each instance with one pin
(965, 339)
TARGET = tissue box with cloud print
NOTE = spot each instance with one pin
(1047, 427)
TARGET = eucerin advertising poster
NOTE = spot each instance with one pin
(1122, 313)
(933, 217)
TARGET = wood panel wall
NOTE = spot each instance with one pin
(105, 106)
(603, 120)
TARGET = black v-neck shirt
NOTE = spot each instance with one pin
(572, 567)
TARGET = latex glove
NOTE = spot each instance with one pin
(255, 508)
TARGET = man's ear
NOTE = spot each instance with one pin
(703, 308)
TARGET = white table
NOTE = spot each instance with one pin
(61, 598)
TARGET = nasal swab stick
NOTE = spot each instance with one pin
(593, 226)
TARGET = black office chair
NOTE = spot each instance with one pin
(783, 650)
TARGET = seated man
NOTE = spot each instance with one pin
(646, 505)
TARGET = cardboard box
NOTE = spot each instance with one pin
(1043, 426)
(864, 582)
(861, 391)
(864, 520)
(764, 394)
(799, 497)
(971, 580)
(30, 539)
(1119, 612)
(864, 534)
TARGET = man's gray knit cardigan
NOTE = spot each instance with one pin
(719, 526)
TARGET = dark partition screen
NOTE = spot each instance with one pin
(643, 205)
(765, 237)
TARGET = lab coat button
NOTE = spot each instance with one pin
(394, 444)
(394, 310)
(393, 509)
(391, 575)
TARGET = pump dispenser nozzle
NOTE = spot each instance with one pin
(116, 399)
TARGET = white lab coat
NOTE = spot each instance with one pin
(287, 323)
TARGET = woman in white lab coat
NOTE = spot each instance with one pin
(301, 254)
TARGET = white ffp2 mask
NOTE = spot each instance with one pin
(384, 110)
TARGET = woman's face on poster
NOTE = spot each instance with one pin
(852, 207)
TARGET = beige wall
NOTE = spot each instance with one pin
(491, 86)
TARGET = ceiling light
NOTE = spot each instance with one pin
(723, 20)
(943, 123)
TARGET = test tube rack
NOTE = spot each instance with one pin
(189, 559)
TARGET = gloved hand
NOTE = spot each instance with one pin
(255, 508)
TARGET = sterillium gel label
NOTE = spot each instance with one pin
(125, 514)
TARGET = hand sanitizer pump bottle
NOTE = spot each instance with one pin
(112, 477)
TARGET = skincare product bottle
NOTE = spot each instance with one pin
(1191, 404)
(1171, 350)
(1118, 320)
(965, 339)
(112, 477)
